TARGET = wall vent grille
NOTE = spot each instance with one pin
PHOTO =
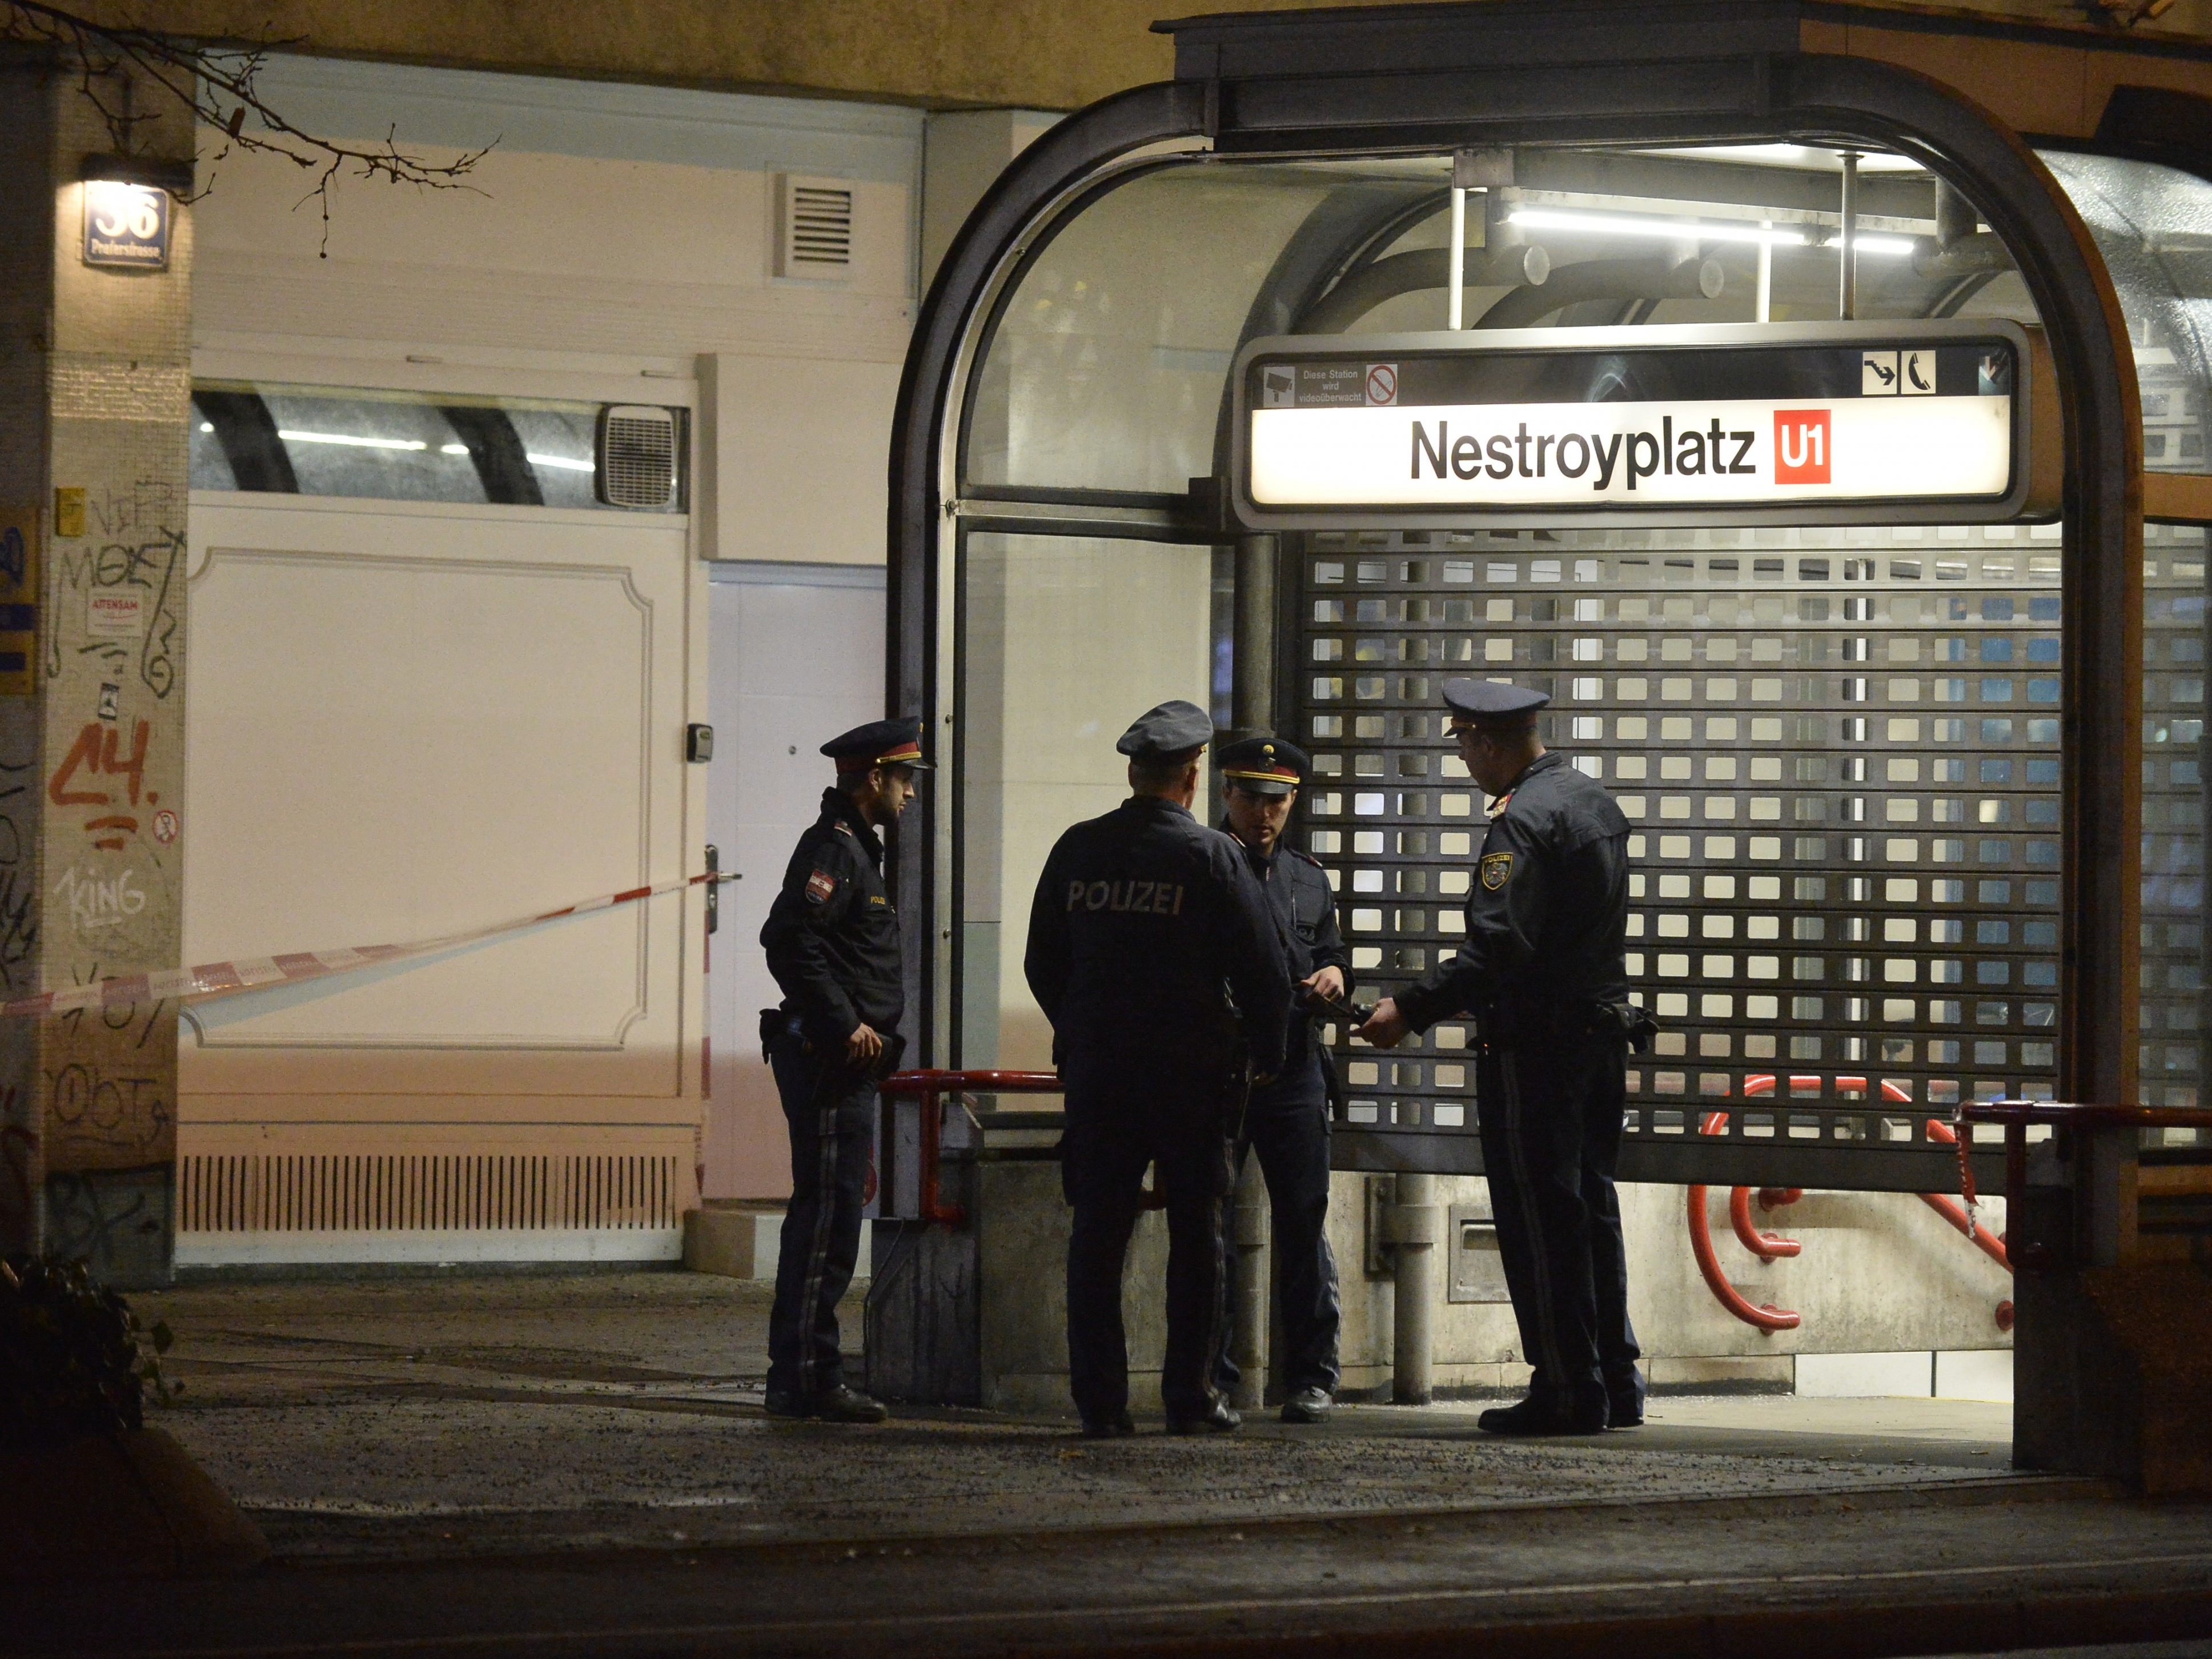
(227, 1192)
(637, 456)
(814, 229)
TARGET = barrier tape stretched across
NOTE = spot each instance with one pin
(218, 979)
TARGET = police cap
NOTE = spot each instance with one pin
(1173, 728)
(879, 742)
(1480, 701)
(1262, 766)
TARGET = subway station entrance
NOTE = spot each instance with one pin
(1235, 389)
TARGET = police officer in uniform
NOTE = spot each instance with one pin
(1542, 970)
(832, 940)
(1286, 1121)
(1146, 925)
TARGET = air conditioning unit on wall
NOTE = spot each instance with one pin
(813, 229)
(638, 463)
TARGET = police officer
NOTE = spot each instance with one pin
(1542, 969)
(832, 940)
(1146, 923)
(1286, 1121)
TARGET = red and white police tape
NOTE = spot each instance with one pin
(217, 979)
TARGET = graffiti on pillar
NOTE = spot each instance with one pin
(97, 753)
(130, 585)
(125, 1113)
(19, 898)
(117, 1224)
(95, 901)
(20, 1176)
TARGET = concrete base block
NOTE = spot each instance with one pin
(1022, 1247)
(741, 1237)
(1720, 1374)
(923, 1346)
(2112, 1373)
(1907, 1374)
(1974, 1374)
(732, 1237)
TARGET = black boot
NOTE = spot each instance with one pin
(1535, 1416)
(1219, 1416)
(1112, 1426)
(1624, 1401)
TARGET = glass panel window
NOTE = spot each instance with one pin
(1064, 642)
(2174, 1029)
(425, 446)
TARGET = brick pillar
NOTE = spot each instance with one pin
(96, 371)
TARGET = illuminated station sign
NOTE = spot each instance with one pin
(1747, 423)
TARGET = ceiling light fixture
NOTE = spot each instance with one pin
(561, 461)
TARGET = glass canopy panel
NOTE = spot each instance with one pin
(1105, 367)
(1064, 642)
(2154, 227)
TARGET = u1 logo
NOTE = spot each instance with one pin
(1802, 452)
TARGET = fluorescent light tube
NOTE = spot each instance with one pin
(1673, 229)
(350, 441)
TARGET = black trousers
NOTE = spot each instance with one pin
(1104, 1153)
(1292, 1143)
(1550, 1117)
(830, 1111)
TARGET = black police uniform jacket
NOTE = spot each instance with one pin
(1546, 914)
(1145, 925)
(1304, 907)
(831, 935)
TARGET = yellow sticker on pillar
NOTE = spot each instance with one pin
(18, 600)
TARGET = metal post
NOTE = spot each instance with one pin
(1847, 299)
(1253, 692)
(1247, 1223)
(1413, 1233)
(1763, 310)
(1252, 708)
(1455, 282)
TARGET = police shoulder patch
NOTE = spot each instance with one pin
(819, 886)
(1497, 871)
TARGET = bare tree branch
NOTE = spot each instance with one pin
(219, 83)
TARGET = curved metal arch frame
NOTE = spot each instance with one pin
(1803, 96)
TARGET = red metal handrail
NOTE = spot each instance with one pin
(1767, 1318)
(1770, 1246)
(930, 1086)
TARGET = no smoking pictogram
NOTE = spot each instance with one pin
(1381, 383)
